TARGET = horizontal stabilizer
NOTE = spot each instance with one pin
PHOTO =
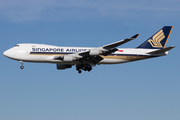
(160, 51)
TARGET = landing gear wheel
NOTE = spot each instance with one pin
(22, 67)
(89, 69)
(79, 71)
(85, 67)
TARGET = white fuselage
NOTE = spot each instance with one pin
(83, 58)
(46, 53)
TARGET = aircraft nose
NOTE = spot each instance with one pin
(8, 53)
(5, 53)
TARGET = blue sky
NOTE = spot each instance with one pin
(142, 90)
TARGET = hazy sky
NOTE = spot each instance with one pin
(142, 90)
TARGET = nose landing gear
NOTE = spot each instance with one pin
(22, 67)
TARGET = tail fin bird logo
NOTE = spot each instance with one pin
(156, 39)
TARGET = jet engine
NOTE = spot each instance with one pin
(94, 52)
(67, 58)
(63, 66)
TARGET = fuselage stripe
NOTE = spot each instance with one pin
(63, 53)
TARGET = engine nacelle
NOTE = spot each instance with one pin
(94, 52)
(67, 58)
(63, 66)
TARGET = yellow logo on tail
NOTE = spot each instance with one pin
(156, 39)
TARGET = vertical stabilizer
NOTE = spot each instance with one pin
(158, 40)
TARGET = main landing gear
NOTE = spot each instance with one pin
(85, 67)
(22, 67)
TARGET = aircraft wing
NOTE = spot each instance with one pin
(108, 49)
(94, 55)
(113, 45)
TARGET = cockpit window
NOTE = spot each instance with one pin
(16, 45)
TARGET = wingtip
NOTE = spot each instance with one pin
(135, 36)
(173, 46)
